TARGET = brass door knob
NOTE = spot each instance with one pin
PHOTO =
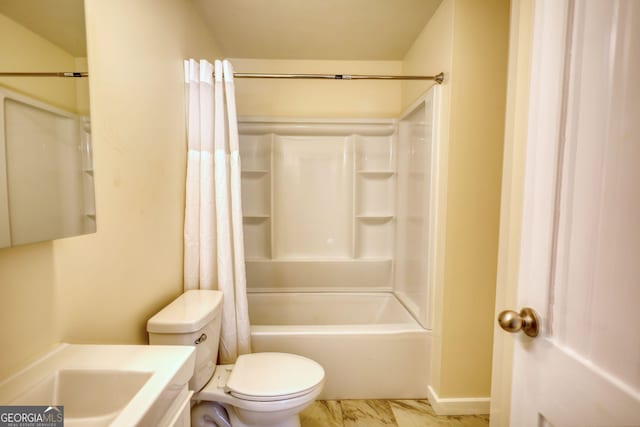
(526, 321)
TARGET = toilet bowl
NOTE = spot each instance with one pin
(260, 389)
(265, 389)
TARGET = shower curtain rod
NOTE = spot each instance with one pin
(56, 74)
(438, 78)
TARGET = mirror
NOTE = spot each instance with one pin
(46, 167)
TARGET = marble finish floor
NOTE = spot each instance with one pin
(382, 413)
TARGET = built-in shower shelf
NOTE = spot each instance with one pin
(249, 172)
(256, 216)
(88, 171)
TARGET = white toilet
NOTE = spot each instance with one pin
(260, 389)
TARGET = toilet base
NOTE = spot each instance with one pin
(207, 414)
(258, 419)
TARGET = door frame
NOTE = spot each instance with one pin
(536, 65)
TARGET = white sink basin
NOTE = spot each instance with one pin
(104, 385)
(90, 397)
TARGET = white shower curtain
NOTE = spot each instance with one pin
(213, 240)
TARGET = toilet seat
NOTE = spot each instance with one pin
(267, 377)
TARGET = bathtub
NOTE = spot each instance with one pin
(368, 343)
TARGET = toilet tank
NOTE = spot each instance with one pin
(191, 319)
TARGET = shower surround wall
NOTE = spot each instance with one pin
(416, 220)
(318, 203)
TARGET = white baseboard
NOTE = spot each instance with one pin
(458, 405)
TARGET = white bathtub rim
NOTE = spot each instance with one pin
(355, 329)
(323, 291)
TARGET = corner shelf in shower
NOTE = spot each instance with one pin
(374, 199)
(256, 204)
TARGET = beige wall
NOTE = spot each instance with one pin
(28, 297)
(430, 54)
(317, 98)
(467, 40)
(478, 91)
(103, 287)
(37, 54)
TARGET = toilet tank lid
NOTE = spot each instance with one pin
(189, 312)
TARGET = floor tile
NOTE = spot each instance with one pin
(418, 413)
(322, 413)
(413, 413)
(367, 413)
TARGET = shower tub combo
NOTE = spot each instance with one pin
(337, 222)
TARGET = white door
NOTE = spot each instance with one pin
(580, 253)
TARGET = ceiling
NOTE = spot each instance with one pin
(60, 21)
(276, 29)
(316, 29)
